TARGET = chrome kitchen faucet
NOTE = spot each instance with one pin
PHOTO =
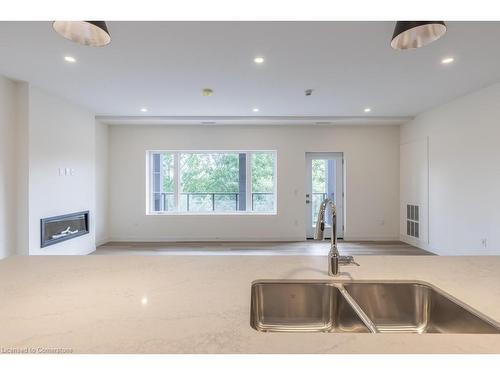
(334, 258)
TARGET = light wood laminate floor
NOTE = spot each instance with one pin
(313, 248)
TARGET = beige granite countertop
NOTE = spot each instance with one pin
(190, 304)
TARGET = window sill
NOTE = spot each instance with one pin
(244, 213)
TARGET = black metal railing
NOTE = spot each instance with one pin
(210, 201)
(260, 197)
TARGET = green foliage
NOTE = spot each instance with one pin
(168, 169)
(262, 173)
(217, 172)
(318, 176)
(212, 173)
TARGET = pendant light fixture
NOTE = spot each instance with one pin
(88, 33)
(416, 34)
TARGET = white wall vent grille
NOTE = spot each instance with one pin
(412, 221)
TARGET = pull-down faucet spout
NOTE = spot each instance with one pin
(334, 258)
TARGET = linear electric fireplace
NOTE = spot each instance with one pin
(62, 228)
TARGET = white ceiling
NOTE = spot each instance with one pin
(164, 65)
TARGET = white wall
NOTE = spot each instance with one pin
(464, 172)
(372, 180)
(7, 168)
(22, 167)
(39, 134)
(101, 186)
(61, 135)
(414, 188)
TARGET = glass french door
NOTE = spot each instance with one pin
(324, 179)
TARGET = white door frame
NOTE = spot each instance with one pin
(338, 157)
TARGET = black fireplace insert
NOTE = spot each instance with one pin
(64, 227)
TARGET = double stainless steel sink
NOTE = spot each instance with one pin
(361, 307)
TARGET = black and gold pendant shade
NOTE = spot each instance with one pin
(88, 33)
(416, 34)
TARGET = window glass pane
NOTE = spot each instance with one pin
(319, 187)
(168, 201)
(319, 176)
(226, 202)
(212, 181)
(156, 183)
(168, 172)
(168, 182)
(156, 163)
(183, 202)
(263, 196)
(198, 202)
(163, 182)
(209, 181)
(156, 202)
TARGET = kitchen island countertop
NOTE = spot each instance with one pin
(201, 304)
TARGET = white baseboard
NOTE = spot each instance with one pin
(48, 252)
(455, 252)
(417, 243)
(371, 238)
(101, 242)
(235, 239)
(205, 239)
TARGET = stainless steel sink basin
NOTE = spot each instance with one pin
(416, 307)
(284, 306)
(361, 307)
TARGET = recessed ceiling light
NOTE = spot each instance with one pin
(367, 110)
(70, 59)
(144, 109)
(258, 60)
(207, 92)
(256, 109)
(144, 301)
(447, 60)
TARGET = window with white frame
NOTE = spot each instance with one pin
(212, 181)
